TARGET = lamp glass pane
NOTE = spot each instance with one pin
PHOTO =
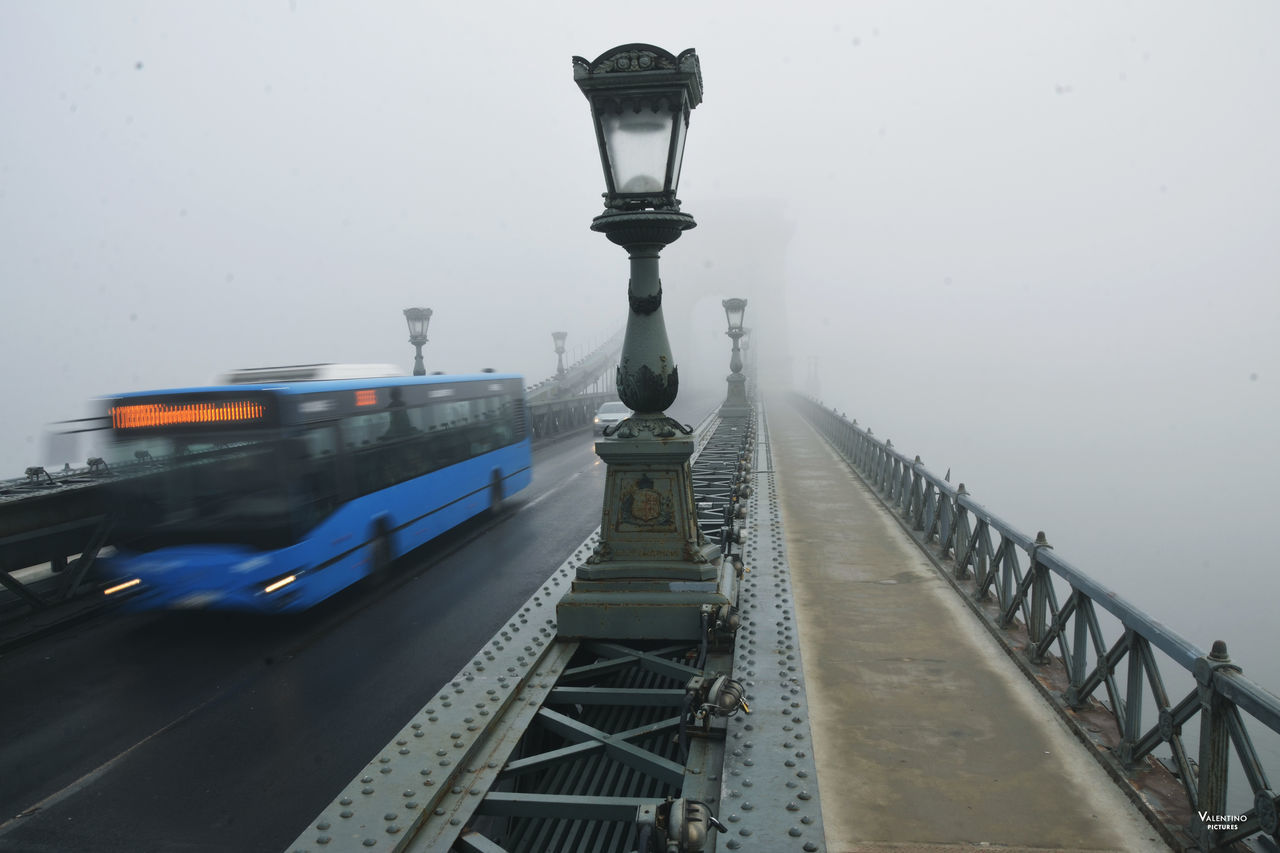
(682, 127)
(417, 318)
(638, 144)
(734, 309)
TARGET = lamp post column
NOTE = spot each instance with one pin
(648, 524)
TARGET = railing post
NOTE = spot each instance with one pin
(1132, 729)
(960, 536)
(916, 505)
(1040, 581)
(1079, 650)
(1215, 744)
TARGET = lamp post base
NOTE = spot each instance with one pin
(735, 402)
(640, 609)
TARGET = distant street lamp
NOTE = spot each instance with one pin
(558, 338)
(417, 319)
(735, 401)
(637, 582)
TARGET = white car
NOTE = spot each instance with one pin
(609, 415)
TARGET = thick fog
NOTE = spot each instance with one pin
(1034, 243)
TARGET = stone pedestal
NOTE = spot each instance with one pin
(648, 527)
(653, 569)
(735, 402)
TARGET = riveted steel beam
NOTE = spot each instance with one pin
(770, 796)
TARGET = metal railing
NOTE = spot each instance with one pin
(553, 417)
(591, 373)
(1012, 580)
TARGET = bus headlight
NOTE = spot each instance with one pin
(279, 583)
(121, 587)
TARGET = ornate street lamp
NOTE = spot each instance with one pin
(735, 402)
(653, 567)
(558, 339)
(641, 97)
(417, 318)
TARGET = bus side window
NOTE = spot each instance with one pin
(314, 461)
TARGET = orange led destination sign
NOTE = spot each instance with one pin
(143, 415)
(367, 397)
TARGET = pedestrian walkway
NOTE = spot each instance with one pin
(927, 736)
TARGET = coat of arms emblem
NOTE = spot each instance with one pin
(646, 504)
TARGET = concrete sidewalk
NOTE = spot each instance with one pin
(927, 736)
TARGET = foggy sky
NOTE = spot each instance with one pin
(1035, 243)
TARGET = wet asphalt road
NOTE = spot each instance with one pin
(220, 732)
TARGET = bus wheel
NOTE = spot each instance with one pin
(495, 492)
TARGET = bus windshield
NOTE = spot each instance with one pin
(193, 488)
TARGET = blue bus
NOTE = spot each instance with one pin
(273, 495)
